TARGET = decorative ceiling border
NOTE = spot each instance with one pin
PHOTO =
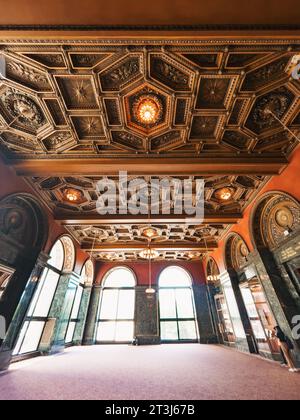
(117, 41)
(200, 27)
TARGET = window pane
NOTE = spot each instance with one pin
(185, 307)
(124, 331)
(70, 332)
(249, 303)
(169, 330)
(126, 304)
(109, 304)
(21, 337)
(120, 277)
(33, 337)
(174, 277)
(47, 293)
(234, 311)
(187, 330)
(77, 302)
(57, 256)
(37, 292)
(167, 303)
(106, 331)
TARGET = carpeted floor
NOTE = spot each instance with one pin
(179, 372)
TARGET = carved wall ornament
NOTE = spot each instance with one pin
(275, 219)
(236, 252)
(22, 224)
(70, 254)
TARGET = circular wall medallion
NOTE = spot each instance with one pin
(284, 217)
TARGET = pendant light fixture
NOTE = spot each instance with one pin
(150, 254)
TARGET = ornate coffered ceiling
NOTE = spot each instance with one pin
(73, 101)
(70, 113)
(52, 191)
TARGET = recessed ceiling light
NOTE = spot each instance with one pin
(73, 196)
(224, 194)
(148, 109)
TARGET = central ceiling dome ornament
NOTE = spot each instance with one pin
(148, 109)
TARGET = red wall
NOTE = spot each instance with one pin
(286, 182)
(141, 270)
(11, 184)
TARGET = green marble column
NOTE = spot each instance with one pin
(214, 290)
(279, 293)
(207, 331)
(146, 317)
(90, 327)
(82, 316)
(60, 311)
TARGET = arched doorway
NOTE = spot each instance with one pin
(176, 306)
(117, 307)
(62, 259)
(23, 234)
(86, 279)
(276, 226)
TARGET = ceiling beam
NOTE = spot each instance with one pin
(86, 219)
(138, 247)
(152, 166)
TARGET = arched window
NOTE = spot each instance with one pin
(62, 258)
(176, 306)
(117, 307)
(86, 279)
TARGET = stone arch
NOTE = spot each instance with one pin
(236, 252)
(23, 228)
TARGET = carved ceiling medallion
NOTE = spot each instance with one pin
(23, 108)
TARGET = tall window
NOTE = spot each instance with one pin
(86, 279)
(117, 307)
(176, 305)
(62, 256)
